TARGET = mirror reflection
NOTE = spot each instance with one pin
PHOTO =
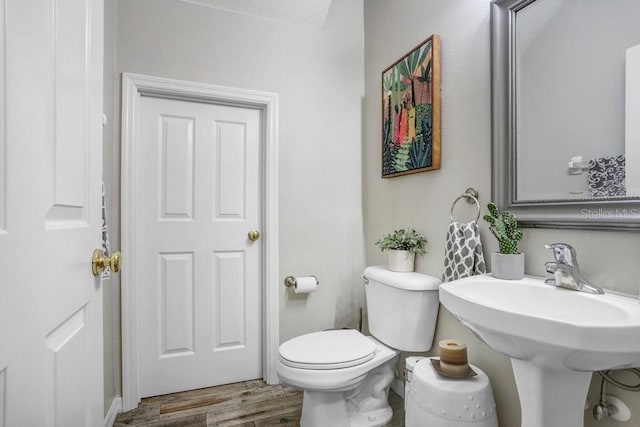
(576, 100)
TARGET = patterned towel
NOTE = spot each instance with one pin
(106, 249)
(463, 254)
(606, 176)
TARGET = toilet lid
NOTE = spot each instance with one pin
(332, 349)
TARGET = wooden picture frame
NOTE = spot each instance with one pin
(411, 111)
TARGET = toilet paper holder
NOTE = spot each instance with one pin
(290, 281)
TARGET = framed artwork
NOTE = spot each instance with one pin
(411, 111)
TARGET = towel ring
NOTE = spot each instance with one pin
(471, 196)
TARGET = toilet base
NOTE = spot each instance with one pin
(378, 417)
(365, 405)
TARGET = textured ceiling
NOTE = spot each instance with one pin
(311, 13)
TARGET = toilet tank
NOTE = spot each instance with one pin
(402, 308)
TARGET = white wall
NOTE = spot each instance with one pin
(423, 200)
(319, 76)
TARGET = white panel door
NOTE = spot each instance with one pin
(50, 172)
(198, 275)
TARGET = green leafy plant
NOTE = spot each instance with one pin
(404, 240)
(504, 226)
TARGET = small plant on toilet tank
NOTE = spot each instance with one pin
(403, 245)
(507, 263)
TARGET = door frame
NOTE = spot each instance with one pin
(134, 86)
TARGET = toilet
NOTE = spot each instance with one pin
(346, 375)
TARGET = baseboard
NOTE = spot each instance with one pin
(398, 387)
(114, 410)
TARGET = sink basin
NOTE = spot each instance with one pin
(555, 337)
(555, 327)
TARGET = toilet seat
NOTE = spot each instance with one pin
(334, 349)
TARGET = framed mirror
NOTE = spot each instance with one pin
(566, 112)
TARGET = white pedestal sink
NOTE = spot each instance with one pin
(555, 337)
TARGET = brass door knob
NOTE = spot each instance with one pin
(99, 262)
(253, 235)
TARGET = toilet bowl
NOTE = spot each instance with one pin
(344, 387)
(346, 375)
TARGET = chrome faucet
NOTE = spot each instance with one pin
(566, 273)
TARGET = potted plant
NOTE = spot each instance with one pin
(507, 263)
(403, 246)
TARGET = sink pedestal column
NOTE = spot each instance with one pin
(550, 397)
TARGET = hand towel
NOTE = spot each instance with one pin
(606, 176)
(463, 254)
(106, 249)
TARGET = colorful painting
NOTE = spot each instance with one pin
(411, 111)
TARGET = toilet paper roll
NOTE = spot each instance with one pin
(305, 285)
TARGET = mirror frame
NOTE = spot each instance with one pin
(610, 214)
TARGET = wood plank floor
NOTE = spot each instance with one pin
(246, 404)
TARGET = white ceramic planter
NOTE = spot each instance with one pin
(507, 266)
(401, 261)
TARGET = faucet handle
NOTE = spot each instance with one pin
(550, 266)
(564, 253)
